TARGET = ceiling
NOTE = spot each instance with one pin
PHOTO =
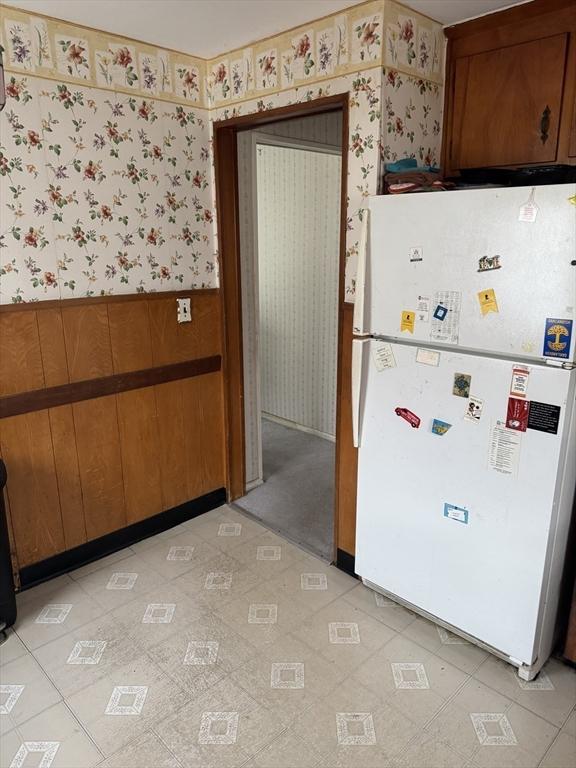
(207, 28)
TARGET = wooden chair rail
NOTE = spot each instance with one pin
(51, 397)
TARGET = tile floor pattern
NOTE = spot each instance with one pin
(218, 644)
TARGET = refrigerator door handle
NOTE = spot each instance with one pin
(358, 320)
(358, 346)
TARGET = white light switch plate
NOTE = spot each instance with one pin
(184, 315)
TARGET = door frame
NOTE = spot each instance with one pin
(227, 217)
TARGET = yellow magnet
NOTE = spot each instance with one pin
(572, 199)
(487, 301)
(407, 322)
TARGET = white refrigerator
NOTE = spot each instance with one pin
(463, 409)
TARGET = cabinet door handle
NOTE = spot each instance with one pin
(545, 124)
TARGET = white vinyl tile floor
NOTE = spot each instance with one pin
(218, 644)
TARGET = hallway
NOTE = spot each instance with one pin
(297, 497)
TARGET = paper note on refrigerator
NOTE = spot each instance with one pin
(487, 300)
(446, 330)
(504, 449)
(474, 409)
(427, 356)
(423, 309)
(519, 384)
(407, 321)
(529, 210)
(383, 356)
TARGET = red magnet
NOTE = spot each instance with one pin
(410, 417)
(517, 414)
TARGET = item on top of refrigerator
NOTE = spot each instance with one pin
(461, 386)
(440, 427)
(544, 417)
(519, 383)
(487, 301)
(407, 321)
(408, 416)
(488, 263)
(557, 338)
(474, 409)
(517, 414)
(406, 176)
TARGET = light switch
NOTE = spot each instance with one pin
(184, 315)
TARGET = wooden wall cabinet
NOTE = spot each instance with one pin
(510, 88)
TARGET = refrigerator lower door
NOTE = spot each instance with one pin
(462, 516)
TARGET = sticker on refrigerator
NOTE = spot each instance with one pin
(446, 331)
(427, 356)
(519, 383)
(407, 321)
(440, 312)
(487, 300)
(461, 386)
(557, 338)
(544, 417)
(572, 199)
(416, 253)
(504, 449)
(474, 409)
(517, 414)
(452, 512)
(440, 427)
(488, 263)
(529, 210)
(383, 356)
(423, 309)
(408, 416)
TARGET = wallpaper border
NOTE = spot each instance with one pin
(48, 47)
(377, 33)
(364, 36)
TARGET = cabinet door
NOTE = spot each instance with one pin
(507, 104)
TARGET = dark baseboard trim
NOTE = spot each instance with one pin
(112, 542)
(345, 562)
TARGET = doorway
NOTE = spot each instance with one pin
(289, 211)
(282, 261)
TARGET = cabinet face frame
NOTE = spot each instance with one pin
(520, 24)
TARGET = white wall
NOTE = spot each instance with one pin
(323, 128)
(298, 258)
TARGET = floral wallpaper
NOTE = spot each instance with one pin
(411, 118)
(101, 193)
(363, 143)
(106, 173)
(414, 43)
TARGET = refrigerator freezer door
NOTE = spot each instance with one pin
(501, 279)
(455, 514)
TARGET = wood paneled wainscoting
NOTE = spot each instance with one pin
(110, 413)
